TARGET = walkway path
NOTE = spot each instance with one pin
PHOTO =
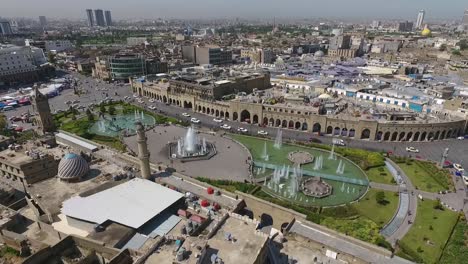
(344, 245)
(406, 214)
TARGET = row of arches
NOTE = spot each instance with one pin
(417, 136)
(344, 132)
(285, 123)
(212, 111)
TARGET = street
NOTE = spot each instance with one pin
(428, 150)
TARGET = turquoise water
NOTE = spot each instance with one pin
(116, 125)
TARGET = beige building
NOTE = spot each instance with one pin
(298, 117)
(343, 53)
(21, 167)
(101, 69)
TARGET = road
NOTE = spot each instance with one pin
(428, 150)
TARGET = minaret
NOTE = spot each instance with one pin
(143, 153)
(40, 105)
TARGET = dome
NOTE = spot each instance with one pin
(426, 32)
(324, 96)
(319, 53)
(72, 166)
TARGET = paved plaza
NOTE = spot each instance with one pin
(228, 164)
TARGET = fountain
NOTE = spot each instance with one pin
(263, 168)
(340, 168)
(190, 147)
(265, 153)
(102, 126)
(332, 153)
(278, 139)
(318, 163)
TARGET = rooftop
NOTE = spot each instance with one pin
(132, 203)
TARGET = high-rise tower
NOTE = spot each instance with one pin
(40, 105)
(99, 15)
(465, 18)
(89, 14)
(108, 16)
(420, 20)
(143, 153)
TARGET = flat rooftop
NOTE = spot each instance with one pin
(246, 247)
(132, 203)
(15, 157)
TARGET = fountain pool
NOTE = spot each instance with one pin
(116, 125)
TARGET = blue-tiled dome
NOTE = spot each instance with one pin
(72, 166)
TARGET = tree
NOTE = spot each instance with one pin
(102, 108)
(380, 198)
(90, 115)
(3, 122)
(438, 205)
(111, 110)
(51, 58)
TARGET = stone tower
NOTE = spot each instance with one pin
(143, 153)
(40, 105)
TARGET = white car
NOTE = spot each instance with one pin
(262, 132)
(152, 107)
(339, 142)
(135, 96)
(226, 126)
(151, 101)
(412, 149)
(458, 167)
(195, 120)
(461, 138)
(242, 130)
(185, 114)
(465, 180)
(218, 120)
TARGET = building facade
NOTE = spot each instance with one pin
(420, 20)
(207, 55)
(124, 66)
(108, 16)
(99, 16)
(90, 17)
(302, 119)
(20, 63)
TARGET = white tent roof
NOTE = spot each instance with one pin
(131, 204)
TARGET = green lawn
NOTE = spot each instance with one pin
(427, 237)
(426, 176)
(380, 214)
(456, 249)
(380, 175)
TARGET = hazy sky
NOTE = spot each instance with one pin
(122, 9)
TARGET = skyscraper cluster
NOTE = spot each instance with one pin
(465, 18)
(99, 18)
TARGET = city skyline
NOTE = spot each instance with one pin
(363, 9)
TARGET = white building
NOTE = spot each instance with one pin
(16, 59)
(420, 20)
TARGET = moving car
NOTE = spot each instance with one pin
(152, 107)
(412, 149)
(217, 120)
(242, 130)
(458, 167)
(195, 120)
(226, 126)
(339, 142)
(185, 114)
(262, 132)
(461, 138)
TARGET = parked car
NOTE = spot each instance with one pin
(217, 120)
(242, 130)
(152, 107)
(461, 138)
(195, 120)
(262, 132)
(226, 126)
(185, 114)
(315, 140)
(412, 149)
